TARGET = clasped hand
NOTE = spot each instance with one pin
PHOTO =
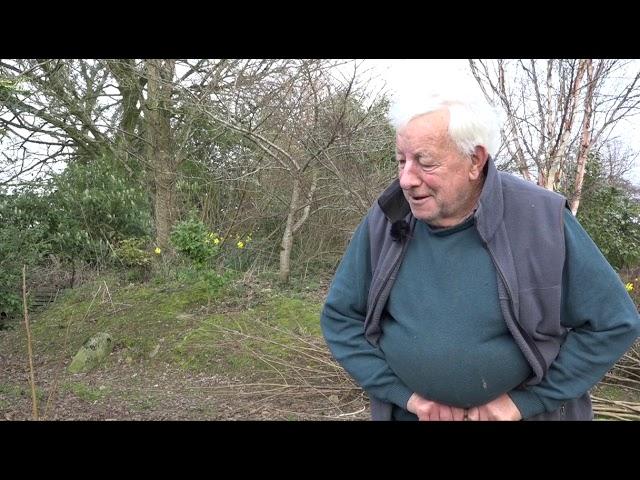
(501, 408)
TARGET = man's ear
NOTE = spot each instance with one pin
(478, 161)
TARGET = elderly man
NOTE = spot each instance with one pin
(470, 294)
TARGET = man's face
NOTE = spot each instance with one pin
(435, 176)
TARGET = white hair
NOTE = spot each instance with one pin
(471, 121)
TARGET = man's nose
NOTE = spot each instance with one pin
(408, 175)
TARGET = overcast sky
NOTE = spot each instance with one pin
(444, 76)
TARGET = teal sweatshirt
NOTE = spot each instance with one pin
(444, 335)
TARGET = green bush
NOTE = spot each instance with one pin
(23, 241)
(612, 219)
(611, 216)
(133, 252)
(94, 204)
(76, 216)
(192, 239)
(134, 255)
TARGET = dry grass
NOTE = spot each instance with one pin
(625, 375)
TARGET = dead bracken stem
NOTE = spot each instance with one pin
(616, 409)
(34, 398)
(108, 294)
(318, 375)
(623, 376)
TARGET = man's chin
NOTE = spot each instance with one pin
(428, 217)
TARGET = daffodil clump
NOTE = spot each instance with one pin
(194, 240)
(241, 242)
(213, 238)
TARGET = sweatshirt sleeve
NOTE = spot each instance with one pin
(603, 322)
(342, 323)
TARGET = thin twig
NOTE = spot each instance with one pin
(109, 295)
(352, 413)
(34, 399)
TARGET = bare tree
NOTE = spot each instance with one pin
(617, 159)
(298, 138)
(558, 108)
(300, 116)
(52, 113)
(585, 136)
(130, 81)
(78, 110)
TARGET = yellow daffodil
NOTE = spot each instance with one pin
(157, 251)
(629, 287)
(240, 244)
(216, 241)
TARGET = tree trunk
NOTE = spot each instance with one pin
(164, 183)
(159, 154)
(287, 236)
(291, 228)
(549, 179)
(585, 139)
(559, 153)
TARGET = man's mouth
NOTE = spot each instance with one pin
(419, 198)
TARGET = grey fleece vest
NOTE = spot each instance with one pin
(522, 228)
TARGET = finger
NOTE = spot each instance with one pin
(483, 414)
(473, 414)
(458, 414)
(446, 415)
(426, 414)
